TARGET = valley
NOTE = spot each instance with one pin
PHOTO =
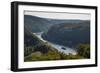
(55, 39)
(66, 50)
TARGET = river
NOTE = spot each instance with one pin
(60, 48)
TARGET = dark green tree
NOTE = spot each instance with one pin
(84, 50)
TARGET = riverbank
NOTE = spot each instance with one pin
(60, 48)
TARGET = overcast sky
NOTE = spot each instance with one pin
(59, 15)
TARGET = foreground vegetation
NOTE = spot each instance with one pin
(46, 52)
(84, 50)
(37, 50)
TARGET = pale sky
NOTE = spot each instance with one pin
(59, 15)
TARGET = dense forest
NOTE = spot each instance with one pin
(71, 33)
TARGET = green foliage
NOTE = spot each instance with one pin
(35, 53)
(84, 50)
(44, 51)
(38, 55)
(28, 50)
(70, 56)
(52, 54)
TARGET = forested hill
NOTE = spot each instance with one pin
(36, 24)
(69, 34)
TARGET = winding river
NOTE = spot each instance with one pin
(60, 48)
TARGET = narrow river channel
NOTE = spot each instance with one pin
(60, 48)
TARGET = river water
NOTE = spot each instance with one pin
(60, 48)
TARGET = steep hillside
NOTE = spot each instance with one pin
(36, 24)
(69, 34)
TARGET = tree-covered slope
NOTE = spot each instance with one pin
(29, 38)
(36, 24)
(69, 34)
